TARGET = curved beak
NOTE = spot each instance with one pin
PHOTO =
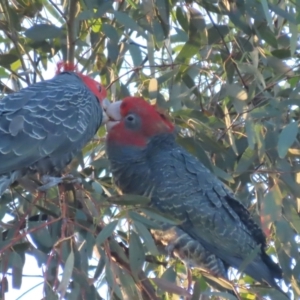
(105, 104)
(113, 113)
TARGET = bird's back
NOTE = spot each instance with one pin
(182, 188)
(44, 125)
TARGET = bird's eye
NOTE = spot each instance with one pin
(133, 121)
(99, 87)
(130, 118)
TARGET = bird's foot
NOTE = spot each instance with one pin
(50, 181)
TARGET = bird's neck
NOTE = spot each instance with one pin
(132, 166)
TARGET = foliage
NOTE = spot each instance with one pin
(228, 72)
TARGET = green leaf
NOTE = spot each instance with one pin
(113, 51)
(41, 236)
(17, 266)
(101, 264)
(136, 253)
(282, 53)
(286, 138)
(251, 70)
(236, 18)
(166, 76)
(136, 55)
(197, 21)
(271, 207)
(196, 291)
(245, 44)
(182, 18)
(111, 32)
(246, 160)
(215, 33)
(170, 287)
(106, 232)
(128, 22)
(148, 223)
(279, 67)
(291, 214)
(265, 7)
(158, 216)
(112, 272)
(97, 187)
(169, 275)
(283, 13)
(223, 175)
(67, 274)
(220, 295)
(7, 59)
(238, 94)
(186, 53)
(129, 287)
(284, 232)
(41, 32)
(250, 131)
(163, 8)
(294, 37)
(229, 130)
(147, 237)
(195, 148)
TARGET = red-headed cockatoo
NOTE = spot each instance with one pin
(215, 230)
(43, 126)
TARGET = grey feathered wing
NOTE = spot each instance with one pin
(44, 125)
(210, 215)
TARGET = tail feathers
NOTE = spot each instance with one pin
(265, 269)
(272, 266)
(262, 269)
(260, 272)
(8, 179)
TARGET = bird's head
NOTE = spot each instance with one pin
(97, 89)
(133, 121)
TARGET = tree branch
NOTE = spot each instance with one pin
(72, 12)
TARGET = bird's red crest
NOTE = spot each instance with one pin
(65, 67)
(98, 90)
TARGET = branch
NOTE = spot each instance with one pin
(5, 89)
(72, 12)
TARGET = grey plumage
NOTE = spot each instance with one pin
(216, 230)
(43, 126)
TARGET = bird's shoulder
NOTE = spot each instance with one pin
(218, 194)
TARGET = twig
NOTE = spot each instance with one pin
(228, 51)
(58, 9)
(13, 36)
